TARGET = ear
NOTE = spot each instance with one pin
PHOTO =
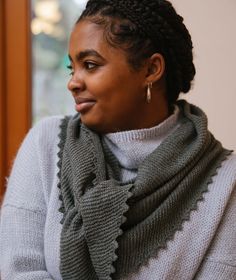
(155, 68)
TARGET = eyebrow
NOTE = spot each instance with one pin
(90, 52)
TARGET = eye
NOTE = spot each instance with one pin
(70, 67)
(89, 65)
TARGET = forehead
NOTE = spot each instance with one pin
(88, 35)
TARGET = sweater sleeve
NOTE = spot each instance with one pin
(220, 261)
(23, 216)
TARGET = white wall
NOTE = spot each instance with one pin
(212, 24)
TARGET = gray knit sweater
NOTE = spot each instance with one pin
(205, 248)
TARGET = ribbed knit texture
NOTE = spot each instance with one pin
(155, 206)
(30, 226)
(128, 149)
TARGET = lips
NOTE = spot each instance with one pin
(84, 104)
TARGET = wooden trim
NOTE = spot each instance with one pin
(2, 103)
(16, 84)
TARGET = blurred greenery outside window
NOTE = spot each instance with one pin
(52, 22)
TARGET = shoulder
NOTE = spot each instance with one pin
(228, 169)
(45, 136)
(220, 259)
(44, 133)
(48, 127)
(224, 243)
(40, 145)
(35, 163)
(231, 159)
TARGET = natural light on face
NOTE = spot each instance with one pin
(51, 25)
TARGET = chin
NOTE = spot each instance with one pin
(95, 124)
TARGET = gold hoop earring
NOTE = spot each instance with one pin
(149, 93)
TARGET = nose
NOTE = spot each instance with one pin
(75, 85)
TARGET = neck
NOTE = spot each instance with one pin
(157, 110)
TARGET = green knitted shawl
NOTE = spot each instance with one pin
(110, 229)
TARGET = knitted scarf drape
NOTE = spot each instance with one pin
(109, 228)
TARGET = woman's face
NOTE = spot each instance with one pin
(109, 94)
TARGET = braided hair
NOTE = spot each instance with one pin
(142, 28)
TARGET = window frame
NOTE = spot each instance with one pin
(15, 81)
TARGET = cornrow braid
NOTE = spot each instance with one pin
(143, 27)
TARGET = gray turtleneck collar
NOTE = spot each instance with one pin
(131, 147)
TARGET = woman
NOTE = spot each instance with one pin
(134, 186)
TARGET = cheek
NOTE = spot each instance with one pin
(116, 90)
(104, 89)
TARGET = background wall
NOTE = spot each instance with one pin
(212, 24)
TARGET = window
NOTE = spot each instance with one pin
(52, 21)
